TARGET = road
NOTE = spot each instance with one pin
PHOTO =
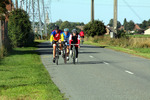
(101, 74)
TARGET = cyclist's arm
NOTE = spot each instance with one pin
(51, 37)
(62, 37)
(79, 39)
(70, 39)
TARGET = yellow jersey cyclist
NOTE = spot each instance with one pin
(56, 36)
(66, 35)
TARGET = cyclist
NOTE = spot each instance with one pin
(66, 35)
(74, 39)
(56, 36)
(82, 36)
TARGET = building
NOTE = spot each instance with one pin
(47, 19)
(147, 32)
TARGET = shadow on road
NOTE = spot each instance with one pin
(87, 52)
(44, 45)
(88, 46)
(44, 52)
(87, 62)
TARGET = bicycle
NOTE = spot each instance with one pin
(74, 53)
(65, 52)
(57, 53)
(82, 40)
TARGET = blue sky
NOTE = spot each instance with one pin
(80, 10)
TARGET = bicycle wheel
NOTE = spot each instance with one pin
(57, 54)
(74, 55)
(65, 55)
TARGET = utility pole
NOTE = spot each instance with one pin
(44, 18)
(40, 28)
(92, 10)
(26, 5)
(16, 4)
(29, 6)
(21, 4)
(33, 23)
(115, 17)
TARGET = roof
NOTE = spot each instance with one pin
(137, 27)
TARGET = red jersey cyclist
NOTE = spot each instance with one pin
(56, 36)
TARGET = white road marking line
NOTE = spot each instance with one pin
(91, 56)
(106, 63)
(129, 72)
(81, 51)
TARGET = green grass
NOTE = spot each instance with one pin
(142, 52)
(140, 36)
(41, 41)
(23, 77)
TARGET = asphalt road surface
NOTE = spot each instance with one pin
(101, 74)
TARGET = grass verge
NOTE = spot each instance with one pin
(142, 52)
(23, 77)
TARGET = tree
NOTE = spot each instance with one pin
(130, 25)
(125, 23)
(148, 23)
(59, 22)
(65, 24)
(118, 24)
(111, 23)
(3, 9)
(19, 29)
(144, 24)
(96, 28)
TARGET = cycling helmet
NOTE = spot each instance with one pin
(74, 31)
(66, 30)
(56, 27)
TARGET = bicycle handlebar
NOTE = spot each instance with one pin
(74, 44)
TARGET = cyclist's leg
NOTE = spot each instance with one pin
(76, 52)
(76, 48)
(83, 38)
(54, 50)
(71, 50)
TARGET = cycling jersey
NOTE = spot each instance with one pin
(74, 40)
(56, 36)
(82, 33)
(66, 37)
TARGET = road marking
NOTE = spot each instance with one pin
(129, 72)
(81, 51)
(91, 56)
(106, 63)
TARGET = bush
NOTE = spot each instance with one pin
(121, 34)
(96, 28)
(19, 29)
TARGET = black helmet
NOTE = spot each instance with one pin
(74, 31)
(56, 27)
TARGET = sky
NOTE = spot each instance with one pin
(80, 10)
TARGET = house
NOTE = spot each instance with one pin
(137, 27)
(108, 30)
(121, 28)
(138, 30)
(147, 32)
(80, 27)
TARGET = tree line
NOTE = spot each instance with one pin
(129, 25)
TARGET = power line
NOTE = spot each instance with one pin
(133, 10)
